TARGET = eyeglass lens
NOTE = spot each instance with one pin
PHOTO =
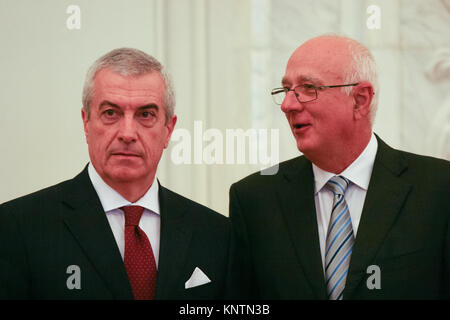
(303, 94)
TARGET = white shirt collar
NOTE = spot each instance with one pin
(111, 199)
(359, 172)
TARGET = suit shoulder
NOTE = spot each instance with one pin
(426, 173)
(48, 194)
(399, 159)
(197, 210)
(261, 178)
(426, 160)
(427, 166)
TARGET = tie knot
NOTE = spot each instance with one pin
(338, 184)
(132, 215)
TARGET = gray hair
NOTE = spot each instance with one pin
(128, 62)
(362, 68)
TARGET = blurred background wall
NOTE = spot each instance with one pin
(224, 56)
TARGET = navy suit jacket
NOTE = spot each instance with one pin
(404, 230)
(44, 233)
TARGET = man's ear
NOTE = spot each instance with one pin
(170, 126)
(85, 118)
(363, 95)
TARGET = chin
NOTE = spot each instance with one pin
(125, 175)
(306, 146)
(302, 145)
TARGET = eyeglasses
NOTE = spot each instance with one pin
(303, 92)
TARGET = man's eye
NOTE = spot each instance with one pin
(309, 86)
(110, 115)
(147, 114)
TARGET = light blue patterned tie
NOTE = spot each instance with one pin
(340, 240)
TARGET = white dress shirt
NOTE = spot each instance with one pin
(112, 201)
(358, 173)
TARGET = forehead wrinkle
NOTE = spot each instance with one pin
(302, 79)
(127, 84)
(131, 91)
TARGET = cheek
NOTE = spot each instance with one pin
(154, 141)
(334, 113)
(336, 126)
(98, 141)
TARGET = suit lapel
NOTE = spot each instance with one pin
(297, 203)
(176, 233)
(385, 197)
(87, 222)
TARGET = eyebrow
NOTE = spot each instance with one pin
(144, 107)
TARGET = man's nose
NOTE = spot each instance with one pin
(290, 103)
(127, 130)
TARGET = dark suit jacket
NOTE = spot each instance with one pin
(404, 230)
(43, 233)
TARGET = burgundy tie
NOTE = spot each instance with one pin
(138, 257)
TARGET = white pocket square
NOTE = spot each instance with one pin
(197, 279)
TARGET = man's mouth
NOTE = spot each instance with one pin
(301, 125)
(125, 154)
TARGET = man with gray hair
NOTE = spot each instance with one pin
(113, 232)
(352, 218)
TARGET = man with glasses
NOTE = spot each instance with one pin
(352, 218)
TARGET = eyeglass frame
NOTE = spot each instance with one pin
(309, 86)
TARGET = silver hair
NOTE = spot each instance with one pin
(362, 68)
(128, 62)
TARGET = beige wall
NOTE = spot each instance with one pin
(43, 65)
(224, 56)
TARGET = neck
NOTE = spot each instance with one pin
(336, 160)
